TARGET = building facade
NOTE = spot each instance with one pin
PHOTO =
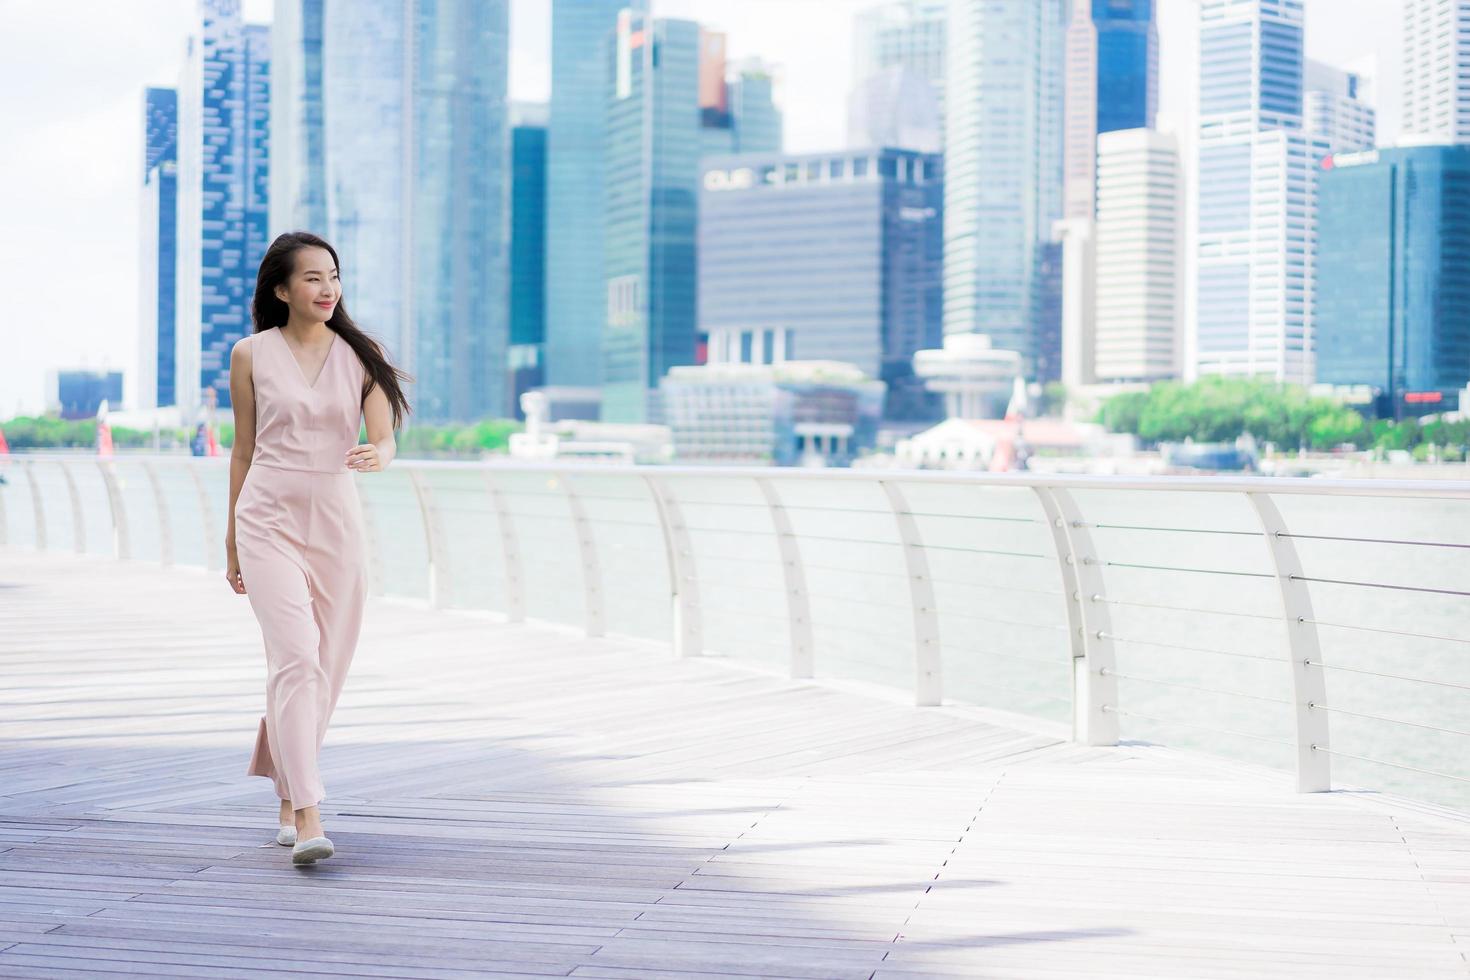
(418, 191)
(1335, 109)
(660, 121)
(1112, 83)
(525, 358)
(790, 413)
(1436, 60)
(1256, 194)
(298, 181)
(1140, 259)
(1003, 177)
(223, 197)
(78, 394)
(909, 34)
(582, 32)
(1394, 275)
(833, 257)
(158, 251)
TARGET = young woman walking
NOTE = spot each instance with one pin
(301, 385)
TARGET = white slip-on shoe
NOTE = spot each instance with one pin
(310, 850)
(286, 836)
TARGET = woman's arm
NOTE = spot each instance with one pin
(242, 398)
(381, 447)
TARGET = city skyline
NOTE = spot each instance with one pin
(63, 199)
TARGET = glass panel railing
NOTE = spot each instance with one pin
(96, 512)
(16, 508)
(474, 572)
(139, 506)
(630, 553)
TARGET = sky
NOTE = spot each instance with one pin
(71, 82)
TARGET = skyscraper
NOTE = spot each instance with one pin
(1335, 109)
(1436, 60)
(1394, 271)
(1112, 83)
(525, 356)
(660, 121)
(418, 184)
(158, 249)
(224, 178)
(298, 187)
(1140, 260)
(576, 297)
(1256, 193)
(755, 121)
(1003, 176)
(902, 33)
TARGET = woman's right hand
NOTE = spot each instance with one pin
(232, 571)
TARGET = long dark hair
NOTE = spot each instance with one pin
(268, 311)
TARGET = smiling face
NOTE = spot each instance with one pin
(313, 289)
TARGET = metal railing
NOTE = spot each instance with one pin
(1313, 625)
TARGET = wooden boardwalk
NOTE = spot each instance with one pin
(520, 801)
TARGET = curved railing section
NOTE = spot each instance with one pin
(1321, 627)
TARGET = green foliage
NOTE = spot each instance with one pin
(1220, 409)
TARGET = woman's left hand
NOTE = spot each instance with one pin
(363, 458)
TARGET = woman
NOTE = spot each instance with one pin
(301, 385)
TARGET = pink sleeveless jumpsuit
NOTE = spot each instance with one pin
(299, 538)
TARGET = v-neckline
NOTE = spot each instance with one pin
(310, 385)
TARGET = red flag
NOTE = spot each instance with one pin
(4, 446)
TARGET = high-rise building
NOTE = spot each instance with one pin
(1436, 60)
(223, 196)
(1112, 83)
(576, 295)
(1003, 177)
(1140, 260)
(1335, 108)
(902, 34)
(298, 182)
(895, 107)
(1394, 276)
(525, 356)
(418, 190)
(1256, 193)
(665, 111)
(860, 229)
(755, 121)
(158, 250)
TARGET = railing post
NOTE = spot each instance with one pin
(38, 508)
(440, 588)
(683, 584)
(165, 532)
(1309, 685)
(1095, 690)
(515, 586)
(78, 519)
(798, 605)
(122, 542)
(587, 549)
(928, 673)
(213, 546)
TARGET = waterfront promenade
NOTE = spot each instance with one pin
(524, 800)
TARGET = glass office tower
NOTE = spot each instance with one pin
(418, 183)
(1003, 177)
(158, 250)
(1394, 276)
(298, 196)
